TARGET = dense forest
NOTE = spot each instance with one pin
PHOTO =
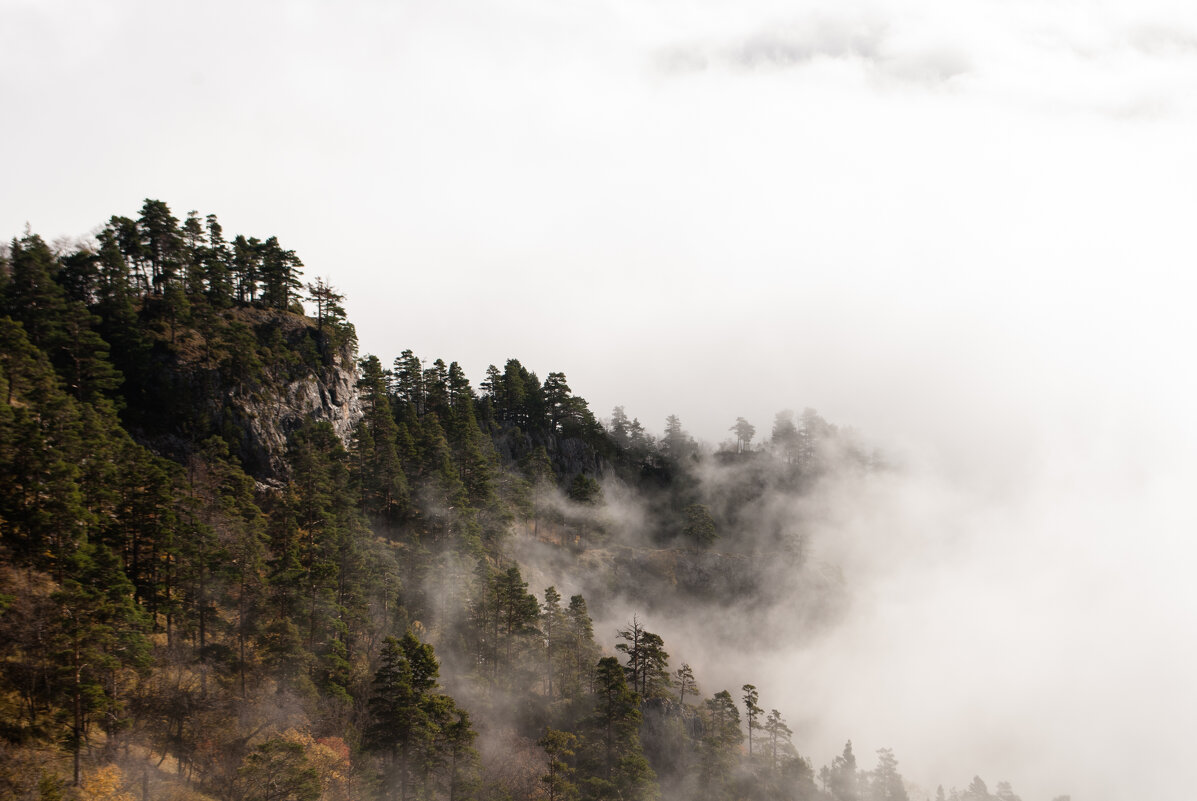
(239, 562)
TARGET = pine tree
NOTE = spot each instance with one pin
(330, 310)
(720, 743)
(436, 389)
(1005, 792)
(620, 427)
(451, 518)
(976, 791)
(98, 637)
(117, 304)
(619, 769)
(246, 268)
(229, 510)
(31, 296)
(400, 724)
(192, 257)
(553, 629)
(744, 433)
(886, 783)
(842, 778)
(420, 732)
(676, 444)
(280, 273)
(581, 651)
(385, 494)
(785, 436)
(279, 770)
(83, 356)
(779, 737)
(559, 747)
(700, 526)
(557, 395)
(685, 683)
(507, 618)
(752, 712)
(161, 243)
(409, 382)
(648, 663)
(217, 266)
(39, 465)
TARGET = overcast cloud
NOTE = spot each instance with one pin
(963, 227)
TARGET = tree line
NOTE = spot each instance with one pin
(171, 625)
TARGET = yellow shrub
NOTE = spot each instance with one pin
(104, 784)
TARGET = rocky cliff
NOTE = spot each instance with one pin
(252, 377)
(264, 420)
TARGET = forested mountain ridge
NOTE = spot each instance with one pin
(240, 563)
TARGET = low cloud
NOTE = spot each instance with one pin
(867, 42)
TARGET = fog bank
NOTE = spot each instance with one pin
(963, 228)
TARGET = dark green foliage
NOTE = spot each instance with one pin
(647, 664)
(99, 636)
(421, 735)
(580, 650)
(169, 588)
(280, 270)
(319, 573)
(279, 770)
(40, 452)
(237, 575)
(700, 526)
(613, 756)
(504, 621)
(685, 683)
(215, 266)
(331, 323)
(721, 740)
(31, 296)
(384, 491)
(559, 748)
(83, 356)
(160, 244)
(584, 489)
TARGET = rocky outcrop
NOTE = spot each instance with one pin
(256, 377)
(266, 420)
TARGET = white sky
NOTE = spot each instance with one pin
(963, 227)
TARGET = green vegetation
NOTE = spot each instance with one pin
(191, 610)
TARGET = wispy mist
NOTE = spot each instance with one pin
(964, 228)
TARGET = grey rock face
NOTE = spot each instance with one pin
(285, 374)
(266, 419)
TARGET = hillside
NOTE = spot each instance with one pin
(237, 561)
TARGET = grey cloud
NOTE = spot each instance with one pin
(795, 45)
(798, 44)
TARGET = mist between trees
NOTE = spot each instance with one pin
(239, 562)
